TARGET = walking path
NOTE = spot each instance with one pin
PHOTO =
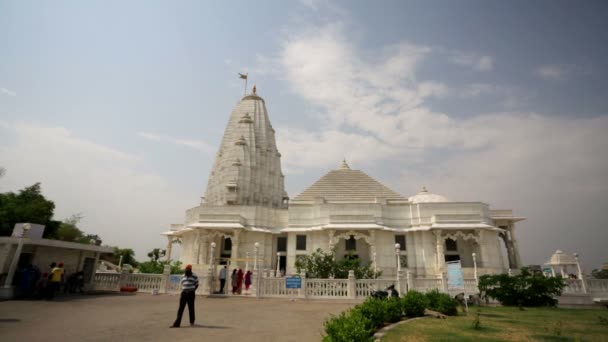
(142, 317)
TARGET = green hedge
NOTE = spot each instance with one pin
(360, 323)
(442, 302)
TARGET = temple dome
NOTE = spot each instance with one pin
(427, 197)
(345, 184)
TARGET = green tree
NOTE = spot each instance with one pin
(600, 273)
(324, 265)
(68, 230)
(128, 256)
(524, 289)
(156, 254)
(28, 205)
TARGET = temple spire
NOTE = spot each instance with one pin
(344, 165)
(247, 168)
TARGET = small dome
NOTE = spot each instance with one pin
(561, 258)
(426, 197)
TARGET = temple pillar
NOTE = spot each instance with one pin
(235, 248)
(440, 253)
(169, 247)
(372, 247)
(516, 255)
(410, 247)
(331, 241)
(291, 253)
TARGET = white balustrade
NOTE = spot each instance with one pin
(599, 286)
(327, 288)
(106, 281)
(144, 282)
(364, 287)
(427, 284)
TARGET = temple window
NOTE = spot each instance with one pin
(281, 244)
(300, 242)
(400, 239)
(450, 245)
(351, 244)
(452, 257)
(227, 244)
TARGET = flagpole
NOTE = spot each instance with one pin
(246, 78)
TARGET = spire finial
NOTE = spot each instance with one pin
(254, 89)
(344, 165)
(424, 189)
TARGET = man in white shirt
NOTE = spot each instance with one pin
(223, 273)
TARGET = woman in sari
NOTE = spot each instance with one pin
(233, 281)
(239, 281)
(247, 280)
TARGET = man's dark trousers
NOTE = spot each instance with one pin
(187, 297)
(222, 283)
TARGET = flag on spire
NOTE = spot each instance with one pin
(243, 76)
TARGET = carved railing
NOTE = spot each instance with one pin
(326, 288)
(144, 282)
(427, 284)
(574, 286)
(364, 287)
(106, 281)
(597, 286)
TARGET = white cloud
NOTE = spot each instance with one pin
(374, 109)
(196, 144)
(8, 92)
(477, 62)
(121, 199)
(552, 72)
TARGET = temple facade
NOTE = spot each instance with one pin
(247, 220)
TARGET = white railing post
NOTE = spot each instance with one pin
(303, 283)
(475, 269)
(410, 280)
(122, 279)
(164, 284)
(352, 283)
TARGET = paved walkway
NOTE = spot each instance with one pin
(142, 317)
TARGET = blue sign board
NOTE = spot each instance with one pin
(293, 283)
(455, 280)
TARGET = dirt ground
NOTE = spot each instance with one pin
(143, 317)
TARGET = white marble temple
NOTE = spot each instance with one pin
(345, 210)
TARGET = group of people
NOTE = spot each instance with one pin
(34, 284)
(237, 278)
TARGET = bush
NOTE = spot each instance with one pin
(414, 303)
(524, 289)
(394, 310)
(442, 302)
(349, 326)
(376, 311)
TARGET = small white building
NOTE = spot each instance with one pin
(346, 210)
(42, 252)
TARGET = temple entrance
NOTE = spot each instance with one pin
(353, 247)
(225, 251)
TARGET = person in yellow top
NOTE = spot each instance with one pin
(55, 279)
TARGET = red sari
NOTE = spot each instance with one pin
(239, 281)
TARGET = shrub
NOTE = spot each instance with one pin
(394, 310)
(442, 302)
(349, 326)
(524, 289)
(375, 310)
(414, 303)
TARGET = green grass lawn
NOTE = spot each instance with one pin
(508, 324)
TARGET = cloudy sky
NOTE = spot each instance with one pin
(118, 107)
